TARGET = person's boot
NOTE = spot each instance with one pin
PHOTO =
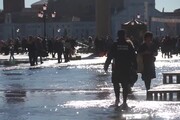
(117, 102)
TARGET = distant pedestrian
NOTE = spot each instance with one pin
(90, 43)
(124, 58)
(59, 49)
(148, 50)
(17, 45)
(67, 50)
(177, 46)
(32, 51)
(11, 49)
(39, 49)
(24, 44)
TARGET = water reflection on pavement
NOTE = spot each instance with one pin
(76, 92)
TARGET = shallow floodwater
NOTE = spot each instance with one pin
(79, 90)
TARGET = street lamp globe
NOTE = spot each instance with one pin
(59, 30)
(161, 29)
(53, 15)
(40, 14)
(44, 7)
(138, 16)
(17, 30)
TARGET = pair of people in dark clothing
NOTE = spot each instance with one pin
(67, 50)
(39, 50)
(63, 46)
(123, 55)
(35, 49)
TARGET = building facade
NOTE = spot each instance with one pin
(142, 10)
(160, 23)
(13, 5)
(79, 21)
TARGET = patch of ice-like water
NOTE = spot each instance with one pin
(88, 103)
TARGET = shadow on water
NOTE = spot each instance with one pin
(103, 95)
(132, 97)
(118, 113)
(15, 93)
(15, 96)
(10, 74)
(36, 68)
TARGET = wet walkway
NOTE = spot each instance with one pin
(78, 90)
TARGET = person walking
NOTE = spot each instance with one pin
(39, 50)
(11, 49)
(32, 50)
(59, 48)
(123, 55)
(67, 50)
(148, 51)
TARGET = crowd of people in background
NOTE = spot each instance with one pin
(38, 47)
(60, 47)
(123, 52)
(169, 46)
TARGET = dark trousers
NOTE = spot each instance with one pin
(66, 55)
(147, 84)
(59, 57)
(117, 91)
(32, 60)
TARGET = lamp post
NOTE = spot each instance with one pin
(59, 30)
(42, 14)
(161, 31)
(138, 16)
(53, 15)
(17, 32)
(12, 32)
(156, 31)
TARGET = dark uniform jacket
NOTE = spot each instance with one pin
(124, 59)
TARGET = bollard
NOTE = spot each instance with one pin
(155, 96)
(149, 96)
(160, 96)
(165, 96)
(164, 79)
(171, 96)
(170, 79)
(178, 78)
(178, 96)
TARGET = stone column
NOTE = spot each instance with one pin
(103, 18)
